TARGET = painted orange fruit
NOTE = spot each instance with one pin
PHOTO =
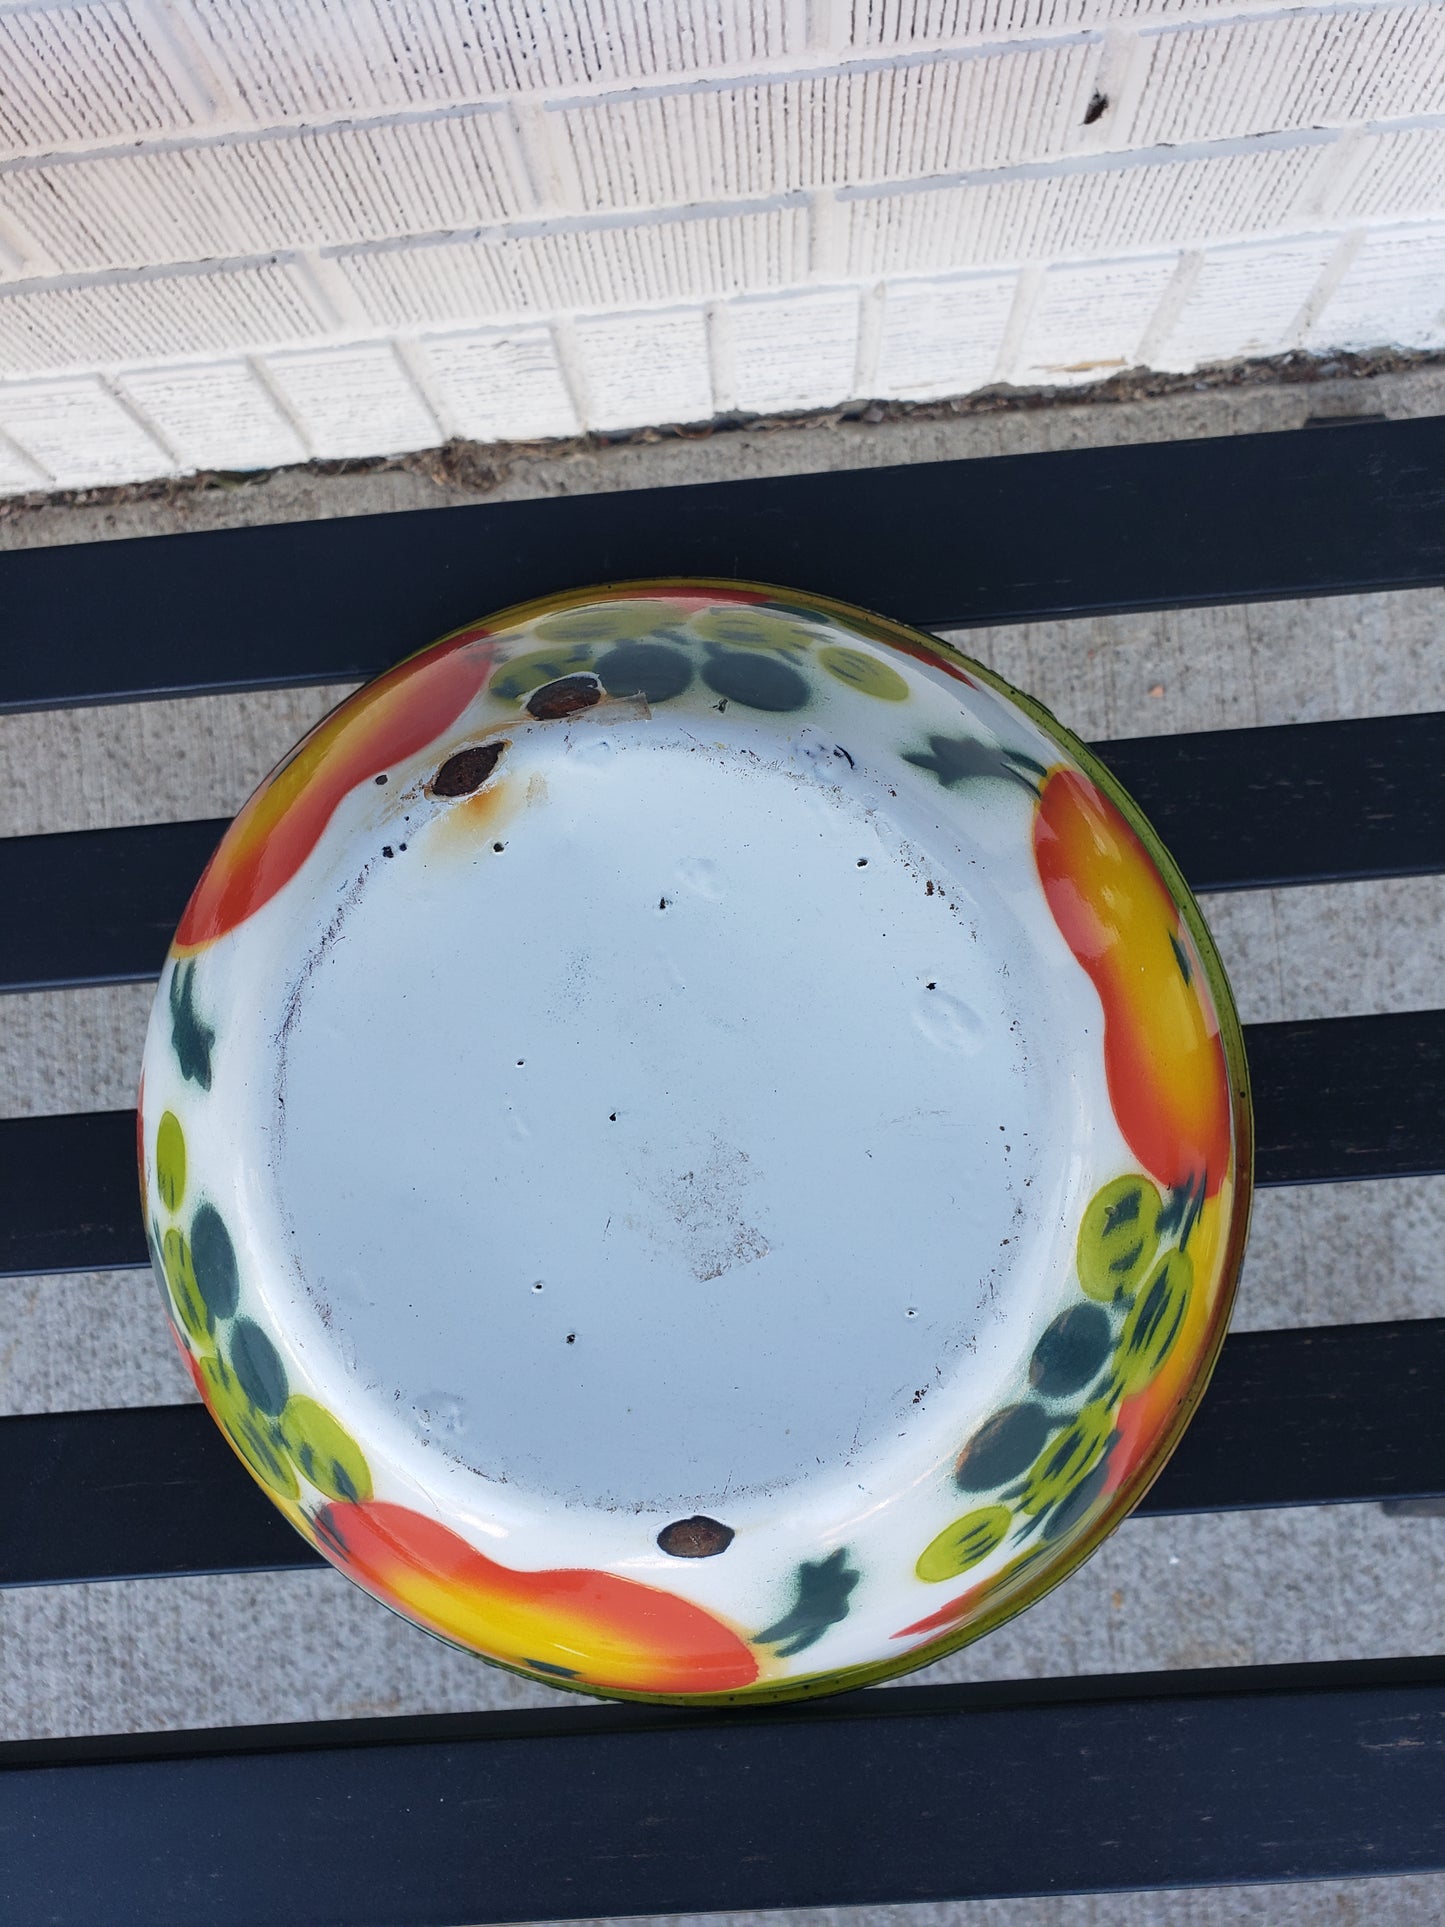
(1162, 1053)
(392, 718)
(575, 1624)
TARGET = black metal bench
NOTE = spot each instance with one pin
(918, 1792)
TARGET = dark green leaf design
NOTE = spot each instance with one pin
(214, 1257)
(1181, 1210)
(1064, 1516)
(1003, 1447)
(824, 1588)
(1071, 1351)
(756, 680)
(258, 1368)
(962, 759)
(645, 669)
(191, 1040)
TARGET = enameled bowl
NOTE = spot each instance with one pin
(696, 1143)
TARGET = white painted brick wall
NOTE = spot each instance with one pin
(1392, 177)
(1393, 288)
(120, 321)
(1334, 68)
(498, 386)
(943, 337)
(352, 401)
(80, 434)
(868, 123)
(1240, 301)
(627, 359)
(1104, 211)
(237, 233)
(298, 59)
(218, 414)
(252, 196)
(1089, 319)
(75, 75)
(791, 351)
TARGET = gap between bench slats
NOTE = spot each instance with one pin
(1333, 1415)
(1335, 1098)
(938, 544)
(924, 1793)
(1238, 808)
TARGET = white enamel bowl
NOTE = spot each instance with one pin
(696, 1144)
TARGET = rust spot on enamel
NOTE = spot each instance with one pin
(696, 1538)
(564, 697)
(459, 775)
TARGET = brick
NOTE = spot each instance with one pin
(1246, 301)
(942, 337)
(152, 319)
(902, 24)
(1088, 321)
(793, 351)
(1392, 293)
(493, 387)
(605, 267)
(1105, 211)
(314, 56)
(645, 368)
(867, 124)
(215, 415)
(256, 196)
(353, 400)
(1209, 82)
(17, 474)
(1394, 177)
(80, 434)
(117, 84)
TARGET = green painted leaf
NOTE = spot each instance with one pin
(1068, 1458)
(964, 1543)
(258, 1367)
(868, 674)
(1119, 1237)
(1153, 1324)
(744, 627)
(324, 1451)
(214, 1258)
(170, 1161)
(523, 674)
(255, 1438)
(824, 1588)
(965, 759)
(191, 1040)
(180, 1276)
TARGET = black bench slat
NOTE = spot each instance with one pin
(1291, 1418)
(1239, 808)
(1342, 1098)
(1335, 1098)
(921, 1793)
(97, 906)
(940, 545)
(1298, 803)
